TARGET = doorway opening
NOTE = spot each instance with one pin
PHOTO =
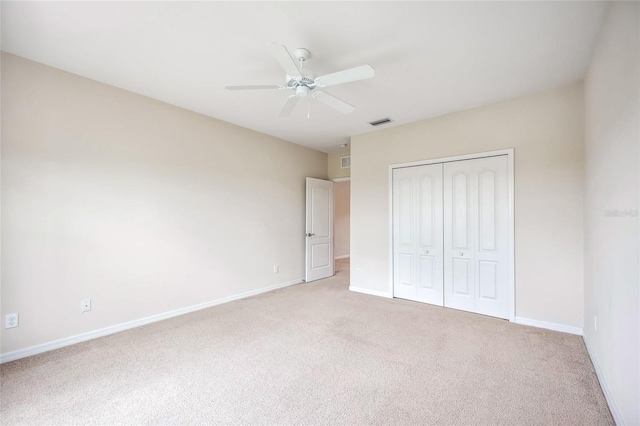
(342, 219)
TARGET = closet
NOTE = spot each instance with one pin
(451, 239)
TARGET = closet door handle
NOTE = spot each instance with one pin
(309, 234)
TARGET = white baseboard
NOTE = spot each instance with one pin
(71, 340)
(371, 292)
(615, 412)
(342, 257)
(549, 325)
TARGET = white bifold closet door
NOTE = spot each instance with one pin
(417, 229)
(451, 234)
(476, 225)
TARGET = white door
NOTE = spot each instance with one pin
(476, 226)
(417, 233)
(319, 235)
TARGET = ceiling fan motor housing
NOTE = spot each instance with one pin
(308, 79)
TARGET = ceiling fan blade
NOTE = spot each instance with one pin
(333, 102)
(346, 76)
(281, 54)
(288, 107)
(258, 87)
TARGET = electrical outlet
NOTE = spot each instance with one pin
(358, 271)
(276, 269)
(85, 305)
(11, 320)
(595, 322)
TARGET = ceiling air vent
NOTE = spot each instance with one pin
(381, 121)
(345, 162)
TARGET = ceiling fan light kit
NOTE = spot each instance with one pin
(302, 91)
(306, 82)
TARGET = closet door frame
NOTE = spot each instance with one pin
(511, 227)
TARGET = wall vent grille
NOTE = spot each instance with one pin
(345, 162)
(381, 121)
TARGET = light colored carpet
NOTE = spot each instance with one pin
(312, 354)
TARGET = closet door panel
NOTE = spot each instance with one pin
(461, 277)
(427, 272)
(487, 210)
(458, 233)
(429, 224)
(404, 234)
(417, 233)
(460, 209)
(487, 279)
(476, 216)
(492, 254)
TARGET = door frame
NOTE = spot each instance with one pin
(510, 152)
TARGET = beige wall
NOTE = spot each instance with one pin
(342, 207)
(612, 182)
(546, 131)
(333, 164)
(139, 205)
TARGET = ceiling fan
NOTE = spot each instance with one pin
(306, 83)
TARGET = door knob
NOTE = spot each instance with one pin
(309, 234)
(426, 252)
(461, 254)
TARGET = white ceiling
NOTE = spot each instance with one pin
(430, 58)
